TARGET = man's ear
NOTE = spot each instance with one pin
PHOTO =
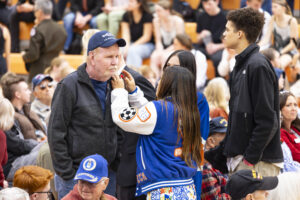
(105, 182)
(33, 196)
(249, 197)
(210, 142)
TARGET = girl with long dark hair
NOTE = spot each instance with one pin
(169, 148)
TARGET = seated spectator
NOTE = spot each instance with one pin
(111, 16)
(290, 123)
(17, 91)
(217, 95)
(289, 164)
(82, 13)
(92, 180)
(183, 42)
(213, 181)
(227, 62)
(210, 27)
(274, 58)
(137, 30)
(248, 184)
(85, 40)
(46, 42)
(148, 73)
(166, 25)
(4, 49)
(43, 90)
(55, 68)
(287, 188)
(14, 193)
(23, 11)
(6, 122)
(35, 180)
(283, 31)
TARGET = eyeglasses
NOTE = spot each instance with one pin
(43, 87)
(49, 194)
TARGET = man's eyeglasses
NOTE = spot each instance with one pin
(49, 194)
(43, 87)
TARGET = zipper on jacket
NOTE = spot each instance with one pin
(142, 158)
(246, 122)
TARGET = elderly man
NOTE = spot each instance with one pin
(80, 122)
(43, 89)
(92, 180)
(47, 39)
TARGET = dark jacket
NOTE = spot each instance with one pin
(126, 174)
(46, 42)
(77, 127)
(16, 146)
(93, 7)
(253, 127)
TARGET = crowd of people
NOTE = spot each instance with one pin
(117, 129)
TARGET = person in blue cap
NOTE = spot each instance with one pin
(43, 89)
(213, 181)
(92, 177)
(80, 123)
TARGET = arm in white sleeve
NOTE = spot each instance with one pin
(201, 64)
(224, 65)
(136, 120)
(137, 99)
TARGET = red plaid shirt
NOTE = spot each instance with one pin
(213, 184)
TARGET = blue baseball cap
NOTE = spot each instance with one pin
(92, 169)
(217, 125)
(39, 78)
(104, 39)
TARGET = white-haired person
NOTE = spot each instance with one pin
(7, 113)
(92, 177)
(14, 193)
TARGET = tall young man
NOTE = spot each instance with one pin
(253, 136)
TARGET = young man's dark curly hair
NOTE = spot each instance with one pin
(247, 20)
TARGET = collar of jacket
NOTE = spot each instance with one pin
(252, 48)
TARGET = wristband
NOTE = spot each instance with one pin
(134, 91)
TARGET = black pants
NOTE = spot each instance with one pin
(14, 27)
(128, 193)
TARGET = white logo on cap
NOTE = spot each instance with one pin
(89, 164)
(108, 35)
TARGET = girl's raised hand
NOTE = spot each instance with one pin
(129, 81)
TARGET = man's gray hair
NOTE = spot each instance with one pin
(45, 6)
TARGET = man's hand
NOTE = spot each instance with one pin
(117, 82)
(129, 81)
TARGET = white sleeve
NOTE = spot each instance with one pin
(137, 99)
(136, 120)
(201, 64)
(224, 65)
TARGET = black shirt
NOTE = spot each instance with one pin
(136, 29)
(215, 24)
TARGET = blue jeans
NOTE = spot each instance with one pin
(136, 54)
(63, 187)
(69, 20)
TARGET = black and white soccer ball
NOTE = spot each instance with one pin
(128, 113)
